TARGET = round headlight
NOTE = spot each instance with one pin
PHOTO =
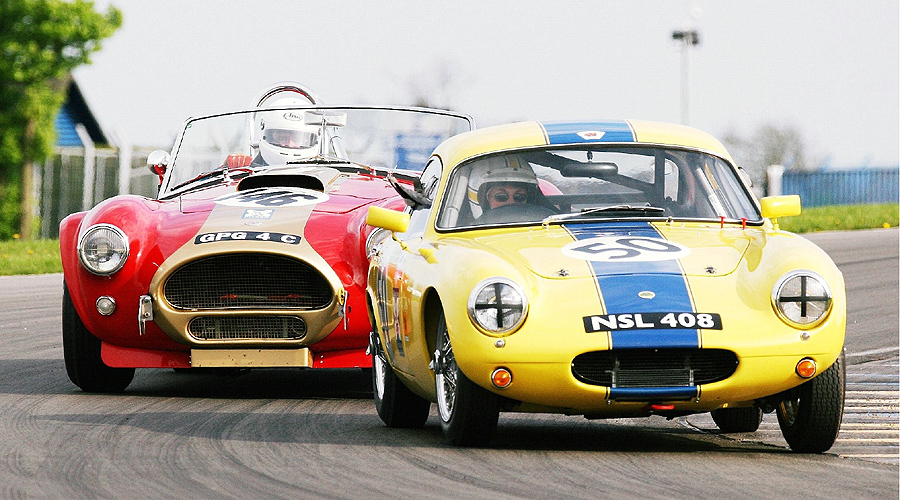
(103, 249)
(374, 239)
(802, 298)
(497, 306)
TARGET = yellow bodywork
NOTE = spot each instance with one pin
(731, 270)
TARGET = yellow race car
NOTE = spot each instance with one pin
(605, 269)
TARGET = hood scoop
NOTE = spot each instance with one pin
(314, 178)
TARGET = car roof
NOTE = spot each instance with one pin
(533, 134)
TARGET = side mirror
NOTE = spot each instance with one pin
(158, 163)
(780, 206)
(391, 220)
(774, 207)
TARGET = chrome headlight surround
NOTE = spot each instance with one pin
(103, 249)
(375, 238)
(497, 306)
(802, 299)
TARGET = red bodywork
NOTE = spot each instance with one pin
(336, 230)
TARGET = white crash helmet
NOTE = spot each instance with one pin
(283, 136)
(499, 169)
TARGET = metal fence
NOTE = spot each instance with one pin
(68, 183)
(76, 179)
(843, 187)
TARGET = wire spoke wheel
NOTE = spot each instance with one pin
(468, 412)
(445, 375)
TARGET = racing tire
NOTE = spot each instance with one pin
(396, 405)
(810, 417)
(468, 412)
(81, 351)
(738, 419)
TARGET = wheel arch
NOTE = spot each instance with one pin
(432, 306)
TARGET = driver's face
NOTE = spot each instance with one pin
(285, 138)
(506, 194)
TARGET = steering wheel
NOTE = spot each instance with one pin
(515, 213)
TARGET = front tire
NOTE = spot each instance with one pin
(810, 417)
(738, 419)
(397, 406)
(81, 351)
(468, 412)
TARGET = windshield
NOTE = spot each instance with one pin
(378, 137)
(556, 185)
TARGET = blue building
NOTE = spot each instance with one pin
(74, 111)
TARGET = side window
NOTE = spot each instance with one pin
(430, 177)
(418, 218)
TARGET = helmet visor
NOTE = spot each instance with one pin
(292, 139)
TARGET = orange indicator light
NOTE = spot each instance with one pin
(501, 378)
(806, 368)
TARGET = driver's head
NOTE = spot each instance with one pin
(506, 180)
(284, 137)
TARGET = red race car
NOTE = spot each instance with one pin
(254, 252)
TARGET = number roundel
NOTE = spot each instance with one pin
(625, 249)
(272, 198)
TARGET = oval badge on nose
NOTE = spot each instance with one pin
(625, 249)
(646, 294)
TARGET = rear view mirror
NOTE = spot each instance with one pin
(324, 118)
(597, 170)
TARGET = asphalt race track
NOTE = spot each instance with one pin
(314, 434)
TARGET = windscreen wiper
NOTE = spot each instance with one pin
(644, 210)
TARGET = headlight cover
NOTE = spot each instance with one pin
(374, 239)
(103, 249)
(497, 306)
(802, 298)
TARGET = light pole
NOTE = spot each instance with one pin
(688, 38)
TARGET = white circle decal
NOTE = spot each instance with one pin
(272, 197)
(625, 249)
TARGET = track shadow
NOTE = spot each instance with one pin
(46, 377)
(325, 407)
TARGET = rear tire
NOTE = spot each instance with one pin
(810, 417)
(81, 351)
(468, 412)
(738, 419)
(397, 406)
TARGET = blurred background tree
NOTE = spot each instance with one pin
(769, 145)
(41, 42)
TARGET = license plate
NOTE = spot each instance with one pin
(652, 321)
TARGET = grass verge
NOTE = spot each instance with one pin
(29, 257)
(845, 217)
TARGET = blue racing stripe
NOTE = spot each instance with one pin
(573, 132)
(620, 283)
(653, 393)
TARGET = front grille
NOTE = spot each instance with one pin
(247, 327)
(247, 281)
(654, 367)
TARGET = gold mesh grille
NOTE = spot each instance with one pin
(247, 281)
(247, 328)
